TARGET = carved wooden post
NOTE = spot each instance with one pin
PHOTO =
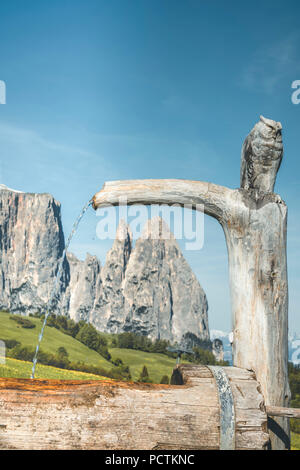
(256, 243)
(254, 222)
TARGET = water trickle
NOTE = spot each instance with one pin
(56, 283)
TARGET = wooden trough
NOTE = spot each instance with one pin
(205, 408)
(50, 414)
(254, 221)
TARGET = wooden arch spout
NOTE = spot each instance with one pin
(254, 224)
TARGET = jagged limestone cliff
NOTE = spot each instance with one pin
(108, 312)
(83, 286)
(31, 243)
(163, 298)
(149, 289)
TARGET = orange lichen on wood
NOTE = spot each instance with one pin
(57, 414)
(57, 385)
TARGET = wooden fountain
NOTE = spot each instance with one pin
(239, 407)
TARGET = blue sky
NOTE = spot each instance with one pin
(122, 89)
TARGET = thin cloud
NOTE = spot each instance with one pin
(22, 136)
(272, 65)
(29, 161)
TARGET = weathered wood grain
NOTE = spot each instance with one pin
(254, 220)
(281, 411)
(215, 199)
(254, 225)
(256, 242)
(48, 414)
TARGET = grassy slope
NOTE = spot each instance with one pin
(157, 364)
(52, 340)
(22, 369)
(295, 441)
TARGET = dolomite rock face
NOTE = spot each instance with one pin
(31, 243)
(108, 311)
(83, 285)
(149, 289)
(163, 298)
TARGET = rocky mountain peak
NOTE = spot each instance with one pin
(157, 229)
(163, 298)
(123, 232)
(149, 289)
(31, 244)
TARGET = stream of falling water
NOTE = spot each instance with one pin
(56, 283)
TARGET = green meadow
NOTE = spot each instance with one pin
(52, 340)
(157, 364)
(22, 369)
(295, 441)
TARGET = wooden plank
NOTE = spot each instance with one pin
(51, 414)
(282, 411)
